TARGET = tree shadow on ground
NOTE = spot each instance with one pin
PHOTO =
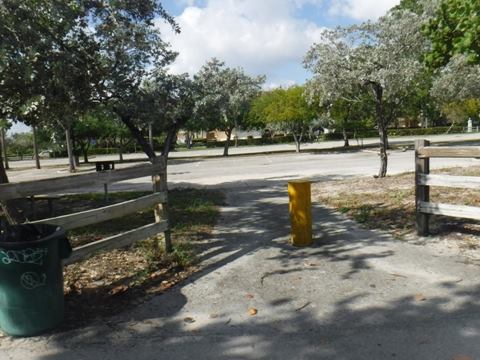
(337, 299)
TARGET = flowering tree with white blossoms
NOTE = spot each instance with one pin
(224, 95)
(382, 57)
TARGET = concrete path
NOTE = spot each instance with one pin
(355, 294)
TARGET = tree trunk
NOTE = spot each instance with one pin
(4, 148)
(297, 142)
(382, 130)
(345, 138)
(167, 146)
(35, 147)
(8, 207)
(127, 120)
(383, 151)
(3, 173)
(120, 151)
(76, 153)
(189, 140)
(85, 154)
(228, 132)
(150, 135)
(71, 157)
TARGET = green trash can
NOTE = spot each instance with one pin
(31, 278)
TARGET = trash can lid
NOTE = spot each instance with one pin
(28, 233)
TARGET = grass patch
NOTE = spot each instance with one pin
(389, 203)
(112, 281)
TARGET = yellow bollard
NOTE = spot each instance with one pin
(300, 212)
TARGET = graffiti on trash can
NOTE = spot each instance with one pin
(31, 280)
(26, 256)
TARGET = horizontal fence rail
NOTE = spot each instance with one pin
(423, 181)
(467, 182)
(95, 216)
(448, 152)
(117, 241)
(460, 211)
(158, 200)
(28, 188)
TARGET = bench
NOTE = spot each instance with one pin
(104, 165)
(49, 198)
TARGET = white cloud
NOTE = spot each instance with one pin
(284, 83)
(262, 36)
(256, 35)
(362, 9)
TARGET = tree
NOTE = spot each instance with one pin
(47, 63)
(90, 127)
(286, 110)
(348, 116)
(224, 97)
(130, 48)
(169, 102)
(67, 56)
(72, 55)
(455, 29)
(4, 126)
(457, 81)
(415, 6)
(460, 111)
(381, 57)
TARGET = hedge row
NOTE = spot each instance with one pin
(395, 132)
(243, 142)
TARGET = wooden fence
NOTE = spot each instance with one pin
(75, 220)
(423, 181)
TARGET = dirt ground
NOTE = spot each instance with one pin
(388, 204)
(113, 281)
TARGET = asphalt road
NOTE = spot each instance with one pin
(232, 171)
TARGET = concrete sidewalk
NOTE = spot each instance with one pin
(355, 294)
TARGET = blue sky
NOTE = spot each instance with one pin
(267, 37)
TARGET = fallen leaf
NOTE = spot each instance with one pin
(213, 316)
(419, 297)
(462, 357)
(303, 306)
(249, 296)
(189, 320)
(398, 275)
(118, 289)
(252, 311)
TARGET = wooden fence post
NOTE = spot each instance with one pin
(161, 209)
(422, 192)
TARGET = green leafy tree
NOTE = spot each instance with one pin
(67, 56)
(455, 29)
(350, 117)
(47, 62)
(130, 48)
(91, 127)
(4, 126)
(415, 6)
(223, 97)
(169, 102)
(458, 112)
(286, 110)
